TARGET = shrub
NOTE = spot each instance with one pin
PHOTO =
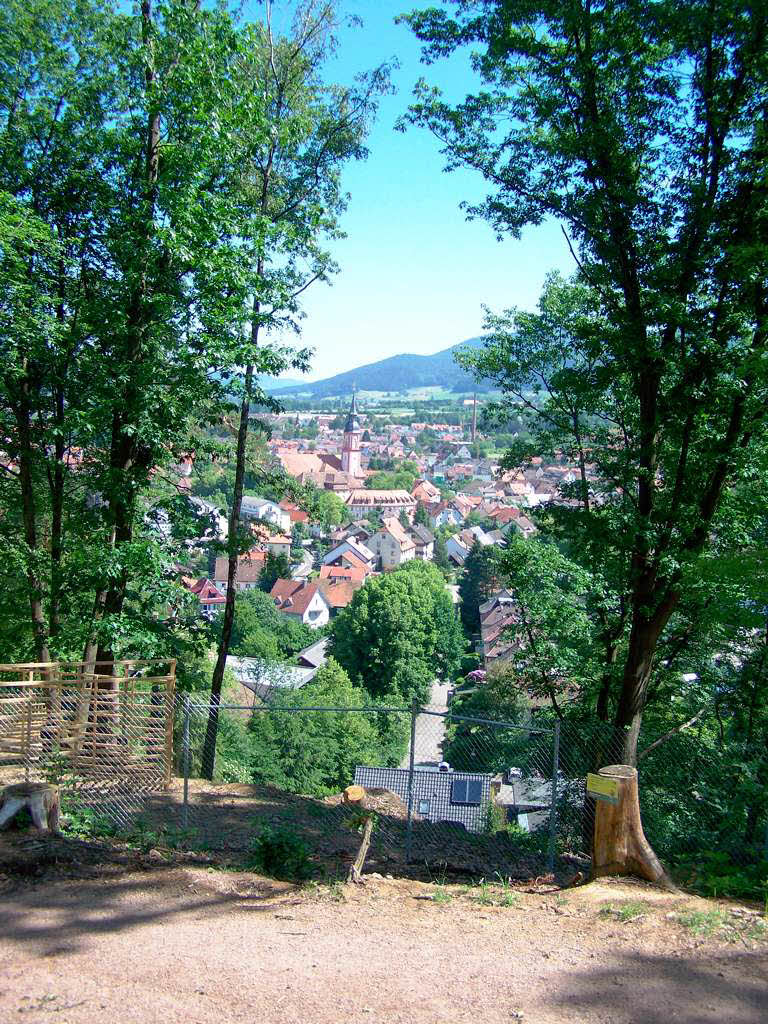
(280, 853)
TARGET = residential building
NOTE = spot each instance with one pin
(296, 514)
(343, 573)
(249, 568)
(208, 594)
(439, 794)
(351, 552)
(261, 679)
(276, 543)
(392, 544)
(457, 548)
(444, 515)
(425, 492)
(254, 507)
(524, 526)
(497, 615)
(424, 540)
(301, 601)
(338, 593)
(361, 502)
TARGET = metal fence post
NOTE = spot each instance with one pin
(553, 808)
(185, 764)
(409, 828)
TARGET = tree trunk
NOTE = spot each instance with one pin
(29, 512)
(619, 846)
(212, 727)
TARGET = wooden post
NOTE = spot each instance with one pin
(354, 796)
(619, 845)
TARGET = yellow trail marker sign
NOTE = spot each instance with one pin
(603, 788)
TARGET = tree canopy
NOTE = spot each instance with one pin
(640, 128)
(399, 633)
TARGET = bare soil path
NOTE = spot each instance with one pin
(172, 944)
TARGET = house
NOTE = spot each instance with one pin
(460, 544)
(338, 593)
(425, 492)
(249, 568)
(301, 601)
(424, 541)
(497, 615)
(457, 548)
(215, 524)
(362, 501)
(314, 656)
(296, 514)
(392, 544)
(351, 552)
(210, 597)
(444, 515)
(524, 526)
(343, 573)
(263, 678)
(276, 543)
(525, 801)
(439, 793)
(254, 507)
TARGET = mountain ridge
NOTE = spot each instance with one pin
(395, 373)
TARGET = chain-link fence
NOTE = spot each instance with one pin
(450, 792)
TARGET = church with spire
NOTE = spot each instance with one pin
(326, 470)
(350, 446)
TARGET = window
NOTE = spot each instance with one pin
(466, 791)
(424, 806)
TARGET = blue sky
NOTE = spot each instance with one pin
(414, 274)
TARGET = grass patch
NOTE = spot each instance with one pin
(703, 922)
(632, 910)
(492, 894)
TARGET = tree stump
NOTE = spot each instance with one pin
(40, 799)
(619, 845)
(364, 820)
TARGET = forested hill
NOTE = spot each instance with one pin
(397, 373)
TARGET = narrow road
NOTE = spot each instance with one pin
(430, 729)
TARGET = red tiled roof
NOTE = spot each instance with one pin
(339, 593)
(294, 596)
(354, 573)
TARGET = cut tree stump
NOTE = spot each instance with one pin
(619, 845)
(354, 796)
(40, 799)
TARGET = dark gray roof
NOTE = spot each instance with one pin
(422, 534)
(353, 417)
(435, 789)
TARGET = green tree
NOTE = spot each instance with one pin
(276, 567)
(292, 169)
(260, 630)
(399, 633)
(479, 579)
(652, 165)
(315, 752)
(327, 509)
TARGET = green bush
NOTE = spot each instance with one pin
(280, 853)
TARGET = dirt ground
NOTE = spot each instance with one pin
(147, 942)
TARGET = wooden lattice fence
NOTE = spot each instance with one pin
(104, 729)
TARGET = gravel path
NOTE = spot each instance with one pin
(430, 729)
(187, 946)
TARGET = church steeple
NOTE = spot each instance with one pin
(353, 417)
(350, 448)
